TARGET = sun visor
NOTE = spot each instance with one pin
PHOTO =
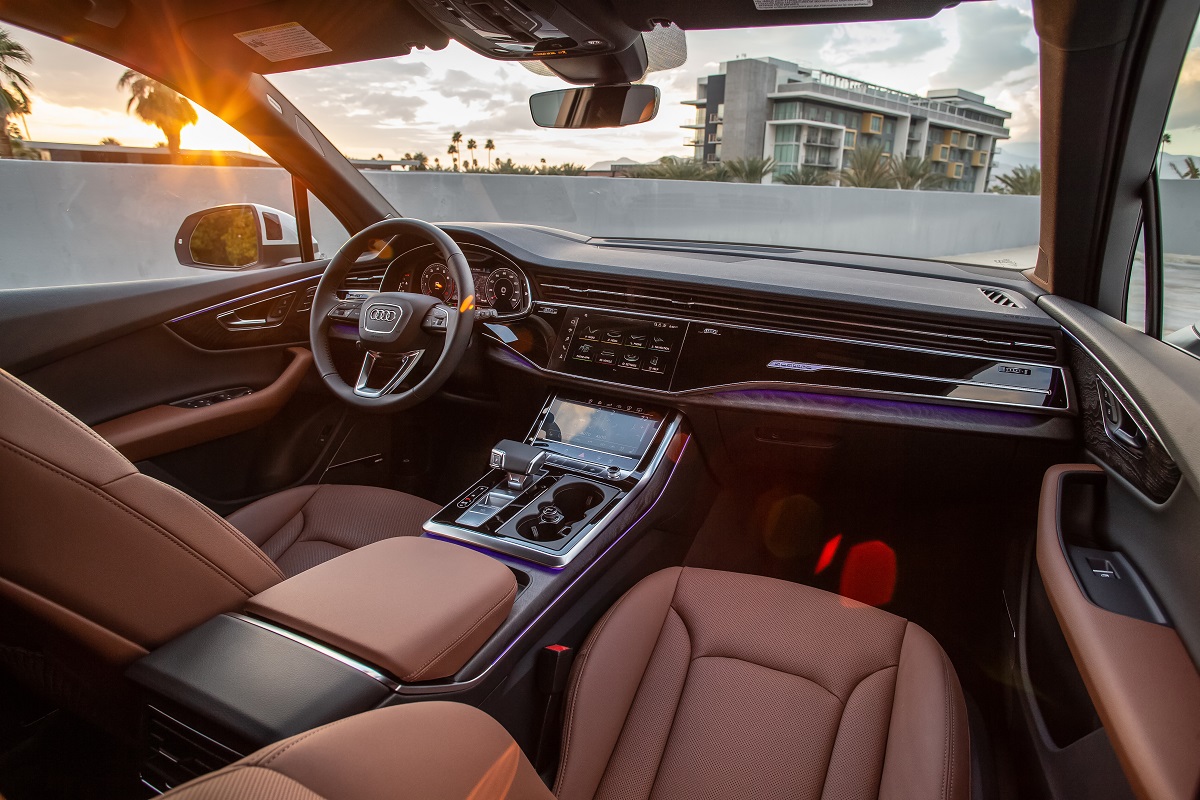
(287, 35)
(714, 14)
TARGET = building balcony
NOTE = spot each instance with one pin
(700, 103)
(820, 143)
(695, 126)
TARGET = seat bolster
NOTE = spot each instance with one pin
(605, 679)
(263, 518)
(432, 751)
(928, 747)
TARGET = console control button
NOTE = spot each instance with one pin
(660, 343)
(584, 353)
(608, 357)
(655, 364)
(631, 361)
(589, 334)
(636, 340)
(613, 336)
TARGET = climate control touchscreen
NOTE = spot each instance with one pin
(633, 350)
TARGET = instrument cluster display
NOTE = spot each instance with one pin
(499, 283)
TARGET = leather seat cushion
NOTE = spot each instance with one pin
(431, 751)
(713, 684)
(302, 527)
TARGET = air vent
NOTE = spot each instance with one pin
(363, 282)
(1000, 297)
(178, 753)
(800, 316)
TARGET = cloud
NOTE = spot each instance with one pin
(913, 41)
(991, 47)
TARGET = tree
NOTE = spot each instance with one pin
(1166, 140)
(471, 147)
(1191, 171)
(422, 161)
(454, 149)
(1022, 180)
(19, 149)
(14, 87)
(916, 173)
(490, 147)
(108, 140)
(509, 167)
(807, 176)
(749, 170)
(869, 168)
(673, 168)
(158, 105)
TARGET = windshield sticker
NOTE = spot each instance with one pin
(790, 5)
(283, 42)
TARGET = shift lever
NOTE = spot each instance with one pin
(519, 460)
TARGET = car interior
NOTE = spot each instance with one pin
(487, 510)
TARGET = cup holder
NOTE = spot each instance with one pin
(553, 519)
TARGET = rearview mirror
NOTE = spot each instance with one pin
(238, 237)
(595, 106)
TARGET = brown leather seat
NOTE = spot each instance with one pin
(100, 563)
(695, 684)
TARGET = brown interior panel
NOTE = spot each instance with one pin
(1145, 686)
(165, 428)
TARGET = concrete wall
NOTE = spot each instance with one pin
(63, 223)
(1180, 200)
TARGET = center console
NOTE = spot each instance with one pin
(545, 499)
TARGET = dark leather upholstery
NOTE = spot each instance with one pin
(302, 527)
(696, 684)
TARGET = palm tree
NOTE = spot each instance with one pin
(454, 149)
(1166, 140)
(490, 147)
(159, 105)
(869, 168)
(916, 173)
(1191, 171)
(471, 147)
(807, 176)
(14, 87)
(749, 170)
(109, 140)
(1022, 180)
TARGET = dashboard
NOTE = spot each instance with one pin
(500, 285)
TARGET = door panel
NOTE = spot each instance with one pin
(123, 363)
(1118, 547)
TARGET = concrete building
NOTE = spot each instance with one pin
(765, 107)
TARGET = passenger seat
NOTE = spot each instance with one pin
(695, 684)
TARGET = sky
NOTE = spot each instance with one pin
(390, 107)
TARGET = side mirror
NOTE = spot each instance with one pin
(595, 106)
(238, 237)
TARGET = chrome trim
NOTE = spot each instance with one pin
(553, 558)
(528, 305)
(470, 683)
(369, 671)
(1068, 410)
(408, 363)
(817, 367)
(239, 324)
(215, 306)
(1115, 385)
(692, 305)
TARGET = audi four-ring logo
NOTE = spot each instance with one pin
(383, 314)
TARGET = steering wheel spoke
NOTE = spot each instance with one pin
(400, 364)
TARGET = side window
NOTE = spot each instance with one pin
(110, 176)
(1178, 277)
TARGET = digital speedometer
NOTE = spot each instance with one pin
(505, 291)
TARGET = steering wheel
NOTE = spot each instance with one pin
(395, 328)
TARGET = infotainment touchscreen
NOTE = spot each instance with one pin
(595, 432)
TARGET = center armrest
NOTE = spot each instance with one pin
(418, 608)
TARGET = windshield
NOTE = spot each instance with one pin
(914, 138)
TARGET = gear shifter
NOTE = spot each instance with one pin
(520, 461)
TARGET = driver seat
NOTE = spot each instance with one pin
(100, 564)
